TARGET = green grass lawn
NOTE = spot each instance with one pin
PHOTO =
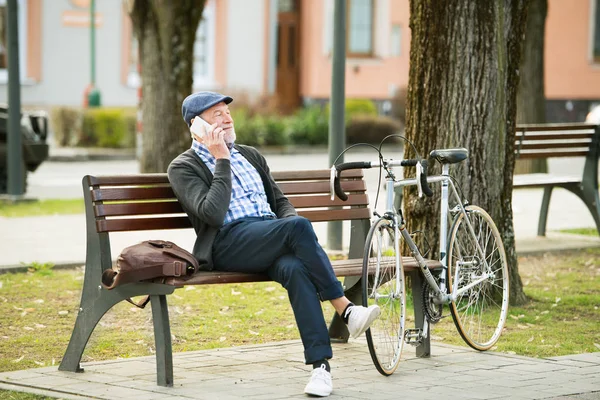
(38, 311)
(40, 207)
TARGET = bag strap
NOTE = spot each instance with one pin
(142, 303)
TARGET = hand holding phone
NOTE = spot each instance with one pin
(199, 127)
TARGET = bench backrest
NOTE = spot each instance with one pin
(557, 140)
(147, 202)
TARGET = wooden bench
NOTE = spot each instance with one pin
(561, 140)
(146, 202)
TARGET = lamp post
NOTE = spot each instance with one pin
(337, 129)
(93, 98)
(15, 170)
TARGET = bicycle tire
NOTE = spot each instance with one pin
(380, 282)
(480, 313)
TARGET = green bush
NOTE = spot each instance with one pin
(309, 125)
(371, 129)
(356, 107)
(107, 127)
(65, 123)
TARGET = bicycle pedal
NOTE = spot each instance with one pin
(413, 336)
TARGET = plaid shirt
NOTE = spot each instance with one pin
(248, 198)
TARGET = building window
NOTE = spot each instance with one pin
(359, 40)
(396, 41)
(596, 39)
(22, 10)
(204, 49)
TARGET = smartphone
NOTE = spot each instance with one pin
(199, 127)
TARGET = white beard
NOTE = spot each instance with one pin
(230, 136)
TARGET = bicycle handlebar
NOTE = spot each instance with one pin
(336, 187)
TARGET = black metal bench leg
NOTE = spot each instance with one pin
(544, 211)
(92, 307)
(162, 339)
(589, 196)
(424, 348)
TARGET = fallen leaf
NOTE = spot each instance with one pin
(24, 313)
(19, 359)
(554, 305)
(557, 300)
(545, 312)
(514, 316)
(17, 308)
(530, 340)
(234, 293)
(5, 337)
(253, 332)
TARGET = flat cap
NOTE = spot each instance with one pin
(196, 103)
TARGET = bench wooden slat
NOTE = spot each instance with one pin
(172, 222)
(562, 145)
(124, 180)
(319, 187)
(142, 224)
(342, 268)
(569, 126)
(120, 209)
(548, 154)
(558, 136)
(335, 215)
(136, 193)
(313, 175)
(325, 201)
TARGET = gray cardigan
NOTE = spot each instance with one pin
(205, 198)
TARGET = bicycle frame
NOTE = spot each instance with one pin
(441, 295)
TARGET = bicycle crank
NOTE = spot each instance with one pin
(432, 311)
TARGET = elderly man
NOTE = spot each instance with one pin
(244, 223)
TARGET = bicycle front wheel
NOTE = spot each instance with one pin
(383, 284)
(480, 279)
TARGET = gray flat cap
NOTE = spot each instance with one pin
(196, 103)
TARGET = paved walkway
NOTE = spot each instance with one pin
(276, 371)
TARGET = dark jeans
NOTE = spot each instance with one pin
(287, 249)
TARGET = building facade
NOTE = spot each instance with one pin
(274, 47)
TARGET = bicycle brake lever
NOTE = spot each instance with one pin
(419, 172)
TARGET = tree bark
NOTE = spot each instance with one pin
(166, 31)
(531, 98)
(464, 60)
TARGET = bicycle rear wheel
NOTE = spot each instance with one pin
(383, 284)
(479, 312)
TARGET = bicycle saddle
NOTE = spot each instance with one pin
(449, 156)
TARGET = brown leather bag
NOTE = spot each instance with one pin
(150, 260)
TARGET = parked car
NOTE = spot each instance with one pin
(34, 131)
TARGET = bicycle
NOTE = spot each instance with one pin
(473, 279)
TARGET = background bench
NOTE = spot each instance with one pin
(561, 140)
(112, 204)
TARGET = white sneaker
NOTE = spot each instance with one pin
(361, 318)
(320, 383)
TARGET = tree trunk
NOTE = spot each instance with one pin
(464, 60)
(531, 98)
(166, 31)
